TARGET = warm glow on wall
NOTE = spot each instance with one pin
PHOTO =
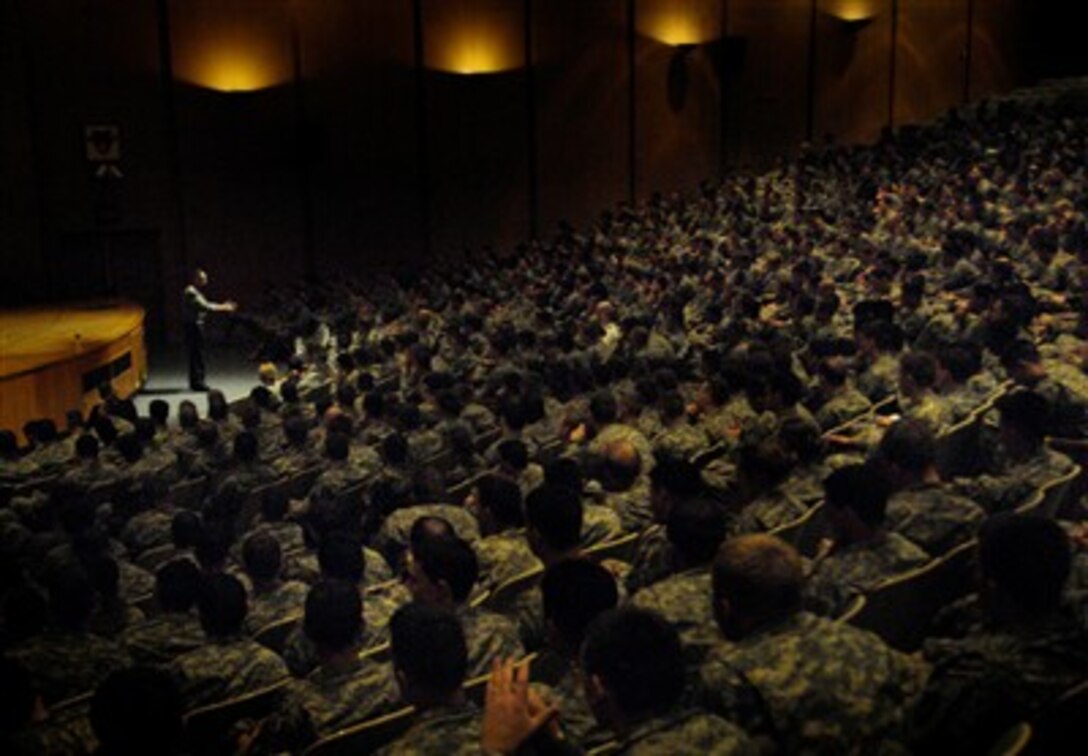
(852, 10)
(680, 22)
(232, 46)
(473, 36)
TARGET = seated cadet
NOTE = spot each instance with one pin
(678, 437)
(1028, 651)
(575, 592)
(633, 667)
(430, 660)
(626, 489)
(229, 664)
(695, 529)
(344, 689)
(879, 342)
(504, 551)
(138, 710)
(90, 469)
(763, 470)
(174, 628)
(600, 523)
(672, 481)
(862, 553)
(271, 597)
(66, 660)
(812, 685)
(442, 572)
(514, 463)
(1063, 387)
(921, 507)
(341, 557)
(1025, 463)
(394, 535)
(918, 398)
(841, 401)
(298, 453)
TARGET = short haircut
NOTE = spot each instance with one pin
(676, 475)
(186, 529)
(334, 615)
(514, 453)
(87, 446)
(696, 528)
(761, 575)
(909, 444)
(502, 498)
(137, 710)
(262, 556)
(1028, 557)
(177, 585)
(429, 647)
(639, 659)
(602, 405)
(565, 472)
(395, 449)
(222, 605)
(766, 462)
(274, 504)
(1027, 412)
(555, 512)
(920, 367)
(337, 447)
(448, 560)
(341, 556)
(575, 591)
(159, 410)
(861, 489)
(245, 446)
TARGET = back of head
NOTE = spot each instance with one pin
(1027, 559)
(554, 513)
(334, 615)
(187, 415)
(448, 560)
(910, 445)
(395, 449)
(696, 528)
(502, 499)
(222, 605)
(71, 597)
(766, 464)
(337, 447)
(159, 410)
(137, 711)
(245, 447)
(218, 409)
(860, 489)
(622, 465)
(341, 557)
(429, 649)
(177, 585)
(761, 577)
(186, 529)
(920, 368)
(676, 476)
(1027, 413)
(128, 445)
(638, 659)
(575, 592)
(514, 454)
(564, 472)
(262, 556)
(87, 446)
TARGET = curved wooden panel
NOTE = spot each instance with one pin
(52, 359)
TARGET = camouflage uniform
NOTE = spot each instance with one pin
(147, 530)
(294, 459)
(285, 600)
(442, 731)
(488, 636)
(632, 506)
(65, 664)
(503, 556)
(689, 733)
(684, 600)
(328, 700)
(933, 517)
(767, 512)
(681, 440)
(858, 568)
(653, 560)
(815, 685)
(845, 405)
(621, 432)
(599, 525)
(930, 408)
(990, 680)
(726, 422)
(163, 638)
(881, 379)
(394, 532)
(1015, 484)
(91, 473)
(225, 669)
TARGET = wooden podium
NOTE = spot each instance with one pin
(53, 359)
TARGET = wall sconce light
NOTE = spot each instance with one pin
(853, 15)
(473, 37)
(683, 24)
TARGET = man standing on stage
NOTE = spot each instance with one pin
(194, 308)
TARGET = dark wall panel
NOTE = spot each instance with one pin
(931, 52)
(678, 115)
(360, 141)
(852, 72)
(767, 79)
(477, 124)
(581, 82)
(236, 122)
(998, 44)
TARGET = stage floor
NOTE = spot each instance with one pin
(168, 377)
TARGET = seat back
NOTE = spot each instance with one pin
(301, 482)
(251, 506)
(1013, 742)
(958, 447)
(366, 737)
(505, 593)
(207, 729)
(901, 609)
(792, 531)
(1055, 492)
(622, 548)
(1061, 723)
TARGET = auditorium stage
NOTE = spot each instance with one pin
(168, 377)
(52, 359)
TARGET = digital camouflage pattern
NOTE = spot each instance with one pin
(858, 568)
